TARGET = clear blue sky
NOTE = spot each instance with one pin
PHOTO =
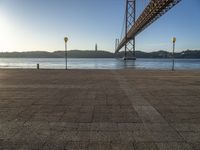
(27, 25)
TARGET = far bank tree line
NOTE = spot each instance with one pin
(99, 54)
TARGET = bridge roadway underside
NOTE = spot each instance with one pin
(93, 109)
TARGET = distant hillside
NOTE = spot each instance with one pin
(99, 54)
(164, 54)
(58, 54)
(85, 54)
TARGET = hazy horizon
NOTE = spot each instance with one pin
(41, 25)
(122, 50)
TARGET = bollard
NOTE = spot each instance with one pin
(38, 66)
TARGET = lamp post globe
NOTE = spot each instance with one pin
(65, 39)
(174, 40)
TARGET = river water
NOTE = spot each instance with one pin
(99, 63)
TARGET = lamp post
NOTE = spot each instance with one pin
(66, 39)
(174, 42)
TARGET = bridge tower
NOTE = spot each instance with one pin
(130, 17)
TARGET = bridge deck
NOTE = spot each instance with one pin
(81, 109)
(154, 10)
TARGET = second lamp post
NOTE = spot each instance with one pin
(174, 42)
(66, 39)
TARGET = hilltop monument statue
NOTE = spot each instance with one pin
(96, 47)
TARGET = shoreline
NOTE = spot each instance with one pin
(124, 69)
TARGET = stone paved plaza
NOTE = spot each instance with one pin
(99, 110)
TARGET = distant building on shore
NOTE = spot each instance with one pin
(96, 47)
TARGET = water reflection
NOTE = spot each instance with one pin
(59, 63)
(129, 63)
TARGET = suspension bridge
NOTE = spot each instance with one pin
(132, 26)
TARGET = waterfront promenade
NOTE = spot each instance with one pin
(99, 110)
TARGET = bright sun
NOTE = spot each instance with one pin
(5, 33)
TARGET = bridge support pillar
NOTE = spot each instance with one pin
(130, 20)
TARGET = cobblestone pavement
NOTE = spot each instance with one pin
(99, 110)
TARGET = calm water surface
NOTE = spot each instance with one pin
(77, 63)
